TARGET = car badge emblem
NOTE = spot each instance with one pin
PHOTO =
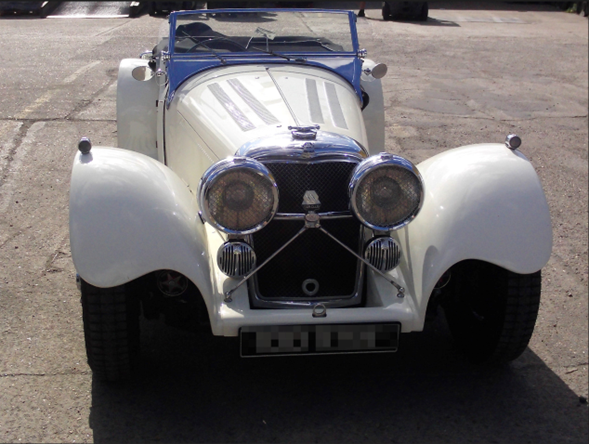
(311, 201)
(308, 150)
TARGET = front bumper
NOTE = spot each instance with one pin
(381, 305)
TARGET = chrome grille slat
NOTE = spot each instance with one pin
(383, 253)
(236, 258)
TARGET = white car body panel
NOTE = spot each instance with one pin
(134, 211)
(482, 202)
(136, 111)
(373, 114)
(203, 131)
(158, 228)
(129, 215)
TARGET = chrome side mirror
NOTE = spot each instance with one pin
(142, 73)
(376, 70)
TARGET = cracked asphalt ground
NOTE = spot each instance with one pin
(463, 77)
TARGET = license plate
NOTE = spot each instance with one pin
(318, 339)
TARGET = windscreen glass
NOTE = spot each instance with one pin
(245, 33)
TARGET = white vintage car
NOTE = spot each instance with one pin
(251, 195)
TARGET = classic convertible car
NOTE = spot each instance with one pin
(251, 195)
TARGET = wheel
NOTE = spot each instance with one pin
(491, 312)
(111, 331)
(423, 13)
(400, 11)
(386, 12)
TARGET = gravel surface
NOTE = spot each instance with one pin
(465, 76)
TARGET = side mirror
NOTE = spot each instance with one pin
(376, 70)
(142, 73)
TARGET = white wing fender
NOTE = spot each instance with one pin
(481, 202)
(131, 215)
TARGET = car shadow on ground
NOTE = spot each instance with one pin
(197, 389)
(520, 6)
(429, 22)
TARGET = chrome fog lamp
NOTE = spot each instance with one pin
(383, 253)
(386, 192)
(236, 258)
(238, 195)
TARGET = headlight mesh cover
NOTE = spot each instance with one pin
(386, 192)
(238, 197)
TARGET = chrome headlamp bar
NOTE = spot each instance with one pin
(313, 221)
(386, 192)
(238, 195)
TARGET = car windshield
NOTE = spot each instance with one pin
(277, 32)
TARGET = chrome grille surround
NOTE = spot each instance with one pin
(282, 147)
(354, 297)
(323, 165)
(383, 252)
(236, 258)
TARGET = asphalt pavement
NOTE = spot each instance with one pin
(464, 76)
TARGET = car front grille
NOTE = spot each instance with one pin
(328, 179)
(313, 255)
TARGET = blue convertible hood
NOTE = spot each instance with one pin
(181, 66)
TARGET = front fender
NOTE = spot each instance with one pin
(481, 202)
(131, 215)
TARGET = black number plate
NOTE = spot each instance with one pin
(319, 339)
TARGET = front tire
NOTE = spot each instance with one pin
(386, 12)
(423, 13)
(111, 331)
(491, 312)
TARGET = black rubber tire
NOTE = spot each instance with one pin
(386, 12)
(111, 331)
(491, 312)
(402, 10)
(423, 13)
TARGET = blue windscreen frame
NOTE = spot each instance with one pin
(346, 64)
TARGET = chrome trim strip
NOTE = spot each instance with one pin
(292, 113)
(282, 147)
(324, 216)
(259, 108)
(335, 107)
(313, 101)
(231, 108)
(327, 158)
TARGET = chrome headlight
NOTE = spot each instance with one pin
(238, 195)
(386, 192)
